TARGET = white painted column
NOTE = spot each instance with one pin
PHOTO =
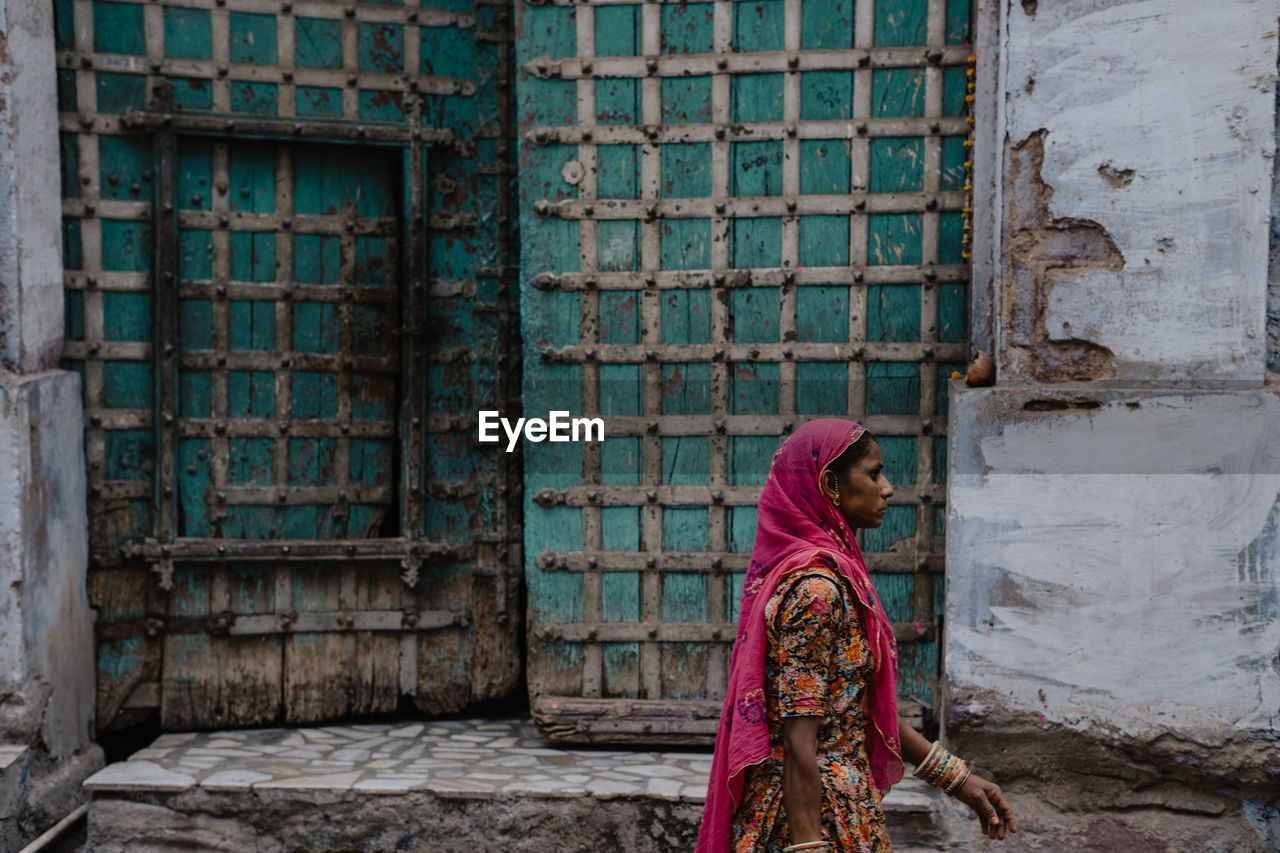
(46, 630)
(1112, 640)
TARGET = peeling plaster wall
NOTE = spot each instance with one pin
(1112, 637)
(31, 301)
(46, 629)
(1116, 560)
(1157, 118)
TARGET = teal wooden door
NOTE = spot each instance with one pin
(284, 237)
(735, 216)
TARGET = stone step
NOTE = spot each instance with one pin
(13, 782)
(434, 785)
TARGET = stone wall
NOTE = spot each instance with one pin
(46, 635)
(1112, 650)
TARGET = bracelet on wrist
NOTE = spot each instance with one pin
(942, 769)
(807, 845)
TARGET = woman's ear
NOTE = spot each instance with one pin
(831, 486)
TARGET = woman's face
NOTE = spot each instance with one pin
(862, 495)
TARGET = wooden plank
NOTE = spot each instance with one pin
(627, 721)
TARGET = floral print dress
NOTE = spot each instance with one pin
(818, 664)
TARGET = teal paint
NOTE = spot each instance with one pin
(753, 388)
(72, 251)
(824, 166)
(448, 52)
(686, 100)
(380, 47)
(687, 28)
(253, 38)
(826, 95)
(756, 242)
(822, 314)
(117, 28)
(686, 170)
(686, 244)
(749, 458)
(127, 384)
(685, 460)
(126, 245)
(379, 106)
(252, 326)
(893, 388)
(757, 97)
(118, 93)
(893, 312)
(319, 102)
(126, 316)
(826, 24)
(128, 454)
(64, 28)
(249, 97)
(73, 316)
(190, 93)
(824, 242)
(755, 314)
(899, 455)
(187, 33)
(755, 168)
(124, 168)
(900, 23)
(822, 389)
(758, 25)
(66, 83)
(253, 256)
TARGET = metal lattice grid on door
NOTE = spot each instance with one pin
(272, 419)
(767, 197)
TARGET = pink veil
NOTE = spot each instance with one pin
(796, 521)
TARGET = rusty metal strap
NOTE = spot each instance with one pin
(754, 277)
(756, 352)
(657, 134)
(745, 206)
(313, 549)
(711, 562)
(680, 632)
(306, 622)
(211, 125)
(597, 495)
(754, 62)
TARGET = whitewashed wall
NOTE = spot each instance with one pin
(1112, 637)
(1116, 569)
(1174, 101)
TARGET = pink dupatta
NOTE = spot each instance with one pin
(797, 521)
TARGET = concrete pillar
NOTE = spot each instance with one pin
(1112, 644)
(46, 631)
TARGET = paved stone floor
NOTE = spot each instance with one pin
(454, 757)
(444, 786)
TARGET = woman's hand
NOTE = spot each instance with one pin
(987, 801)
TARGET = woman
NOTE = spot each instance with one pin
(810, 737)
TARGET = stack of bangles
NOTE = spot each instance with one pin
(942, 769)
(808, 845)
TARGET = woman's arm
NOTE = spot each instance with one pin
(985, 798)
(914, 746)
(801, 781)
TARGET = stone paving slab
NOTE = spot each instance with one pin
(457, 758)
(439, 786)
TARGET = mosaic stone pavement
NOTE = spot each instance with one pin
(455, 758)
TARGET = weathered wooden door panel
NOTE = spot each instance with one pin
(736, 216)
(285, 250)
